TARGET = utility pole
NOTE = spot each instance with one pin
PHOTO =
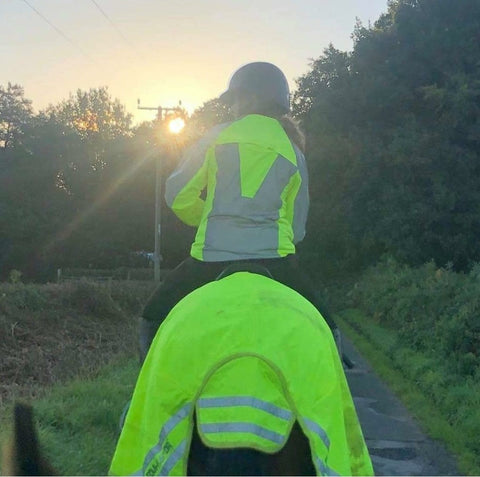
(161, 113)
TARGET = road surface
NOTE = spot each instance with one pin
(396, 443)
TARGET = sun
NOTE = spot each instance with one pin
(176, 125)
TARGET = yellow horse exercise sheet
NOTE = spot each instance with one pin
(250, 357)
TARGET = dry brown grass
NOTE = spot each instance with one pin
(51, 333)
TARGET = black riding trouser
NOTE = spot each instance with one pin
(192, 274)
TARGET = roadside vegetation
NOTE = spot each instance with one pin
(420, 330)
(54, 332)
(78, 420)
(71, 350)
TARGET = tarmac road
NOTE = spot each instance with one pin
(397, 445)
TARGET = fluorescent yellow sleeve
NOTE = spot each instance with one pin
(187, 205)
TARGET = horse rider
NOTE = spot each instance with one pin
(244, 185)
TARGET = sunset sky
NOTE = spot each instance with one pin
(161, 51)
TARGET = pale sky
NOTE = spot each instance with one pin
(164, 51)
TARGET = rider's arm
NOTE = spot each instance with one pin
(301, 200)
(184, 187)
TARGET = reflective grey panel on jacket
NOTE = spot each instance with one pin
(235, 223)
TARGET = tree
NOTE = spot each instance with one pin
(393, 137)
(15, 112)
(35, 200)
(56, 196)
(211, 113)
(93, 114)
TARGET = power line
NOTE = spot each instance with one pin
(60, 32)
(102, 11)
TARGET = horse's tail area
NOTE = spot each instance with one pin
(23, 455)
(245, 422)
(292, 459)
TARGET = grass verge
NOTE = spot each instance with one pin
(409, 374)
(78, 421)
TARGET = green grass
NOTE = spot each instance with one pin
(446, 409)
(64, 349)
(78, 421)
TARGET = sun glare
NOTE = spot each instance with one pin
(176, 125)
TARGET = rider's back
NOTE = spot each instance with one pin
(256, 186)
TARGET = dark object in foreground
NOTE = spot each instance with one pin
(24, 455)
(293, 459)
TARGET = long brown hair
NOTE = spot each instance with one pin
(292, 128)
(250, 103)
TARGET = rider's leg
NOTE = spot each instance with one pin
(186, 277)
(146, 333)
(287, 270)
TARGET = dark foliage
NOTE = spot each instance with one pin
(394, 138)
(393, 144)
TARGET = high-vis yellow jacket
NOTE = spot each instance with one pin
(249, 356)
(256, 185)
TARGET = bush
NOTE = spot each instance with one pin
(15, 276)
(455, 396)
(131, 296)
(52, 332)
(90, 298)
(18, 296)
(434, 310)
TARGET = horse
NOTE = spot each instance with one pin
(242, 378)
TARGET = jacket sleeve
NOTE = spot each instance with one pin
(302, 200)
(185, 185)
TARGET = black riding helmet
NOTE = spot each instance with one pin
(263, 80)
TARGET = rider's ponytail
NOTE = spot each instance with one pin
(292, 128)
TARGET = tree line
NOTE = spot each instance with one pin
(393, 144)
(393, 131)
